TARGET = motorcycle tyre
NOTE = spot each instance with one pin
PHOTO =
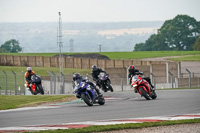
(87, 99)
(109, 86)
(41, 89)
(144, 93)
(153, 95)
(101, 100)
(104, 89)
(111, 89)
(33, 93)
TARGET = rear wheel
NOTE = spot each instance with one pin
(41, 89)
(144, 93)
(87, 99)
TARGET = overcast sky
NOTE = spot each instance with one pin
(96, 10)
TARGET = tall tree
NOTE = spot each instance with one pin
(178, 34)
(197, 44)
(11, 46)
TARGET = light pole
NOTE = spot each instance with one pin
(60, 44)
(99, 47)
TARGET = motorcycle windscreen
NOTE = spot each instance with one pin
(103, 76)
(35, 78)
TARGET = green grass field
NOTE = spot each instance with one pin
(42, 71)
(16, 101)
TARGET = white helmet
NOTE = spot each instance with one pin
(29, 69)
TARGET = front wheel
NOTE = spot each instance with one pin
(41, 89)
(87, 99)
(144, 93)
(109, 86)
(153, 95)
(101, 100)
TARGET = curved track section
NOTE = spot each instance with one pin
(119, 105)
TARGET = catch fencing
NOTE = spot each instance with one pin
(13, 82)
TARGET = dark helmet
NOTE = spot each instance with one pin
(29, 70)
(76, 76)
(131, 68)
(94, 67)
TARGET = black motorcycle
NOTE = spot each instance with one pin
(36, 85)
(104, 82)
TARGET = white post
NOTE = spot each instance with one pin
(167, 74)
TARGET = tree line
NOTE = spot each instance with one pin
(179, 34)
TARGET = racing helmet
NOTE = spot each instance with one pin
(94, 67)
(29, 69)
(76, 76)
(131, 68)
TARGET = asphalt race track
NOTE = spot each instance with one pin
(119, 105)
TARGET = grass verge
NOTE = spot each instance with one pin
(42, 71)
(92, 129)
(187, 58)
(17, 101)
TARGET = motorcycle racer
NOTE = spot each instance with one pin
(77, 76)
(133, 71)
(28, 75)
(95, 73)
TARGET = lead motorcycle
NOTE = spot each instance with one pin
(141, 86)
(35, 86)
(83, 90)
(104, 82)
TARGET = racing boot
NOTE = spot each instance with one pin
(98, 92)
(135, 90)
(78, 96)
(152, 87)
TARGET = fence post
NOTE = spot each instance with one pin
(6, 83)
(167, 71)
(54, 75)
(62, 86)
(172, 78)
(51, 89)
(23, 83)
(190, 78)
(122, 85)
(127, 81)
(15, 82)
(153, 79)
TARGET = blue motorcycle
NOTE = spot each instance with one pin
(83, 90)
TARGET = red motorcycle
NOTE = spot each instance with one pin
(141, 86)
